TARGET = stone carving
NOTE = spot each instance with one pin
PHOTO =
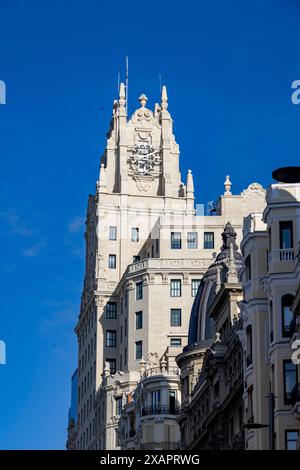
(152, 360)
(227, 185)
(144, 158)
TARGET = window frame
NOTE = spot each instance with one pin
(205, 242)
(179, 345)
(135, 234)
(289, 224)
(192, 288)
(111, 257)
(286, 440)
(175, 291)
(288, 400)
(111, 314)
(192, 244)
(139, 288)
(139, 315)
(112, 229)
(113, 339)
(286, 333)
(176, 242)
(175, 324)
(136, 345)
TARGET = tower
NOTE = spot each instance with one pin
(146, 252)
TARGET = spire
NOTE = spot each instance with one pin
(122, 96)
(189, 184)
(164, 98)
(101, 186)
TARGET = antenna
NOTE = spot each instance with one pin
(126, 85)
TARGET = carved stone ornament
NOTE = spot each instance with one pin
(152, 360)
(144, 158)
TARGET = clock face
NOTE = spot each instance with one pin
(144, 158)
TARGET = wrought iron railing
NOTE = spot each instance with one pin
(160, 410)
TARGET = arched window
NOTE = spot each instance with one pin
(287, 315)
(249, 345)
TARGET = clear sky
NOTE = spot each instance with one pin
(228, 66)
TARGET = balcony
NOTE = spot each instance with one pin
(284, 254)
(160, 410)
(160, 370)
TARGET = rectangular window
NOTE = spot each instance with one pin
(291, 440)
(195, 285)
(139, 290)
(138, 320)
(119, 406)
(155, 400)
(112, 261)
(134, 234)
(136, 258)
(289, 380)
(175, 240)
(192, 240)
(248, 268)
(175, 342)
(175, 316)
(111, 310)
(113, 233)
(138, 349)
(175, 286)
(172, 401)
(156, 245)
(209, 241)
(112, 365)
(111, 338)
(286, 234)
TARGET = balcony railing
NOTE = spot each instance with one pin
(160, 410)
(284, 254)
(159, 370)
(295, 324)
(295, 396)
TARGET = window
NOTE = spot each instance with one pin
(136, 258)
(289, 380)
(248, 268)
(286, 235)
(249, 345)
(139, 290)
(152, 251)
(112, 261)
(111, 338)
(192, 240)
(291, 440)
(175, 342)
(156, 245)
(175, 288)
(138, 349)
(195, 285)
(155, 400)
(175, 240)
(138, 320)
(287, 315)
(172, 401)
(119, 405)
(134, 234)
(209, 241)
(175, 316)
(112, 233)
(111, 310)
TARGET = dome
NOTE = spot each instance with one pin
(201, 327)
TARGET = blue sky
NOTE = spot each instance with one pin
(228, 67)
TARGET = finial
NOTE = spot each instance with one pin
(143, 100)
(164, 98)
(190, 183)
(227, 185)
(122, 90)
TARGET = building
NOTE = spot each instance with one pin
(147, 249)
(270, 312)
(211, 364)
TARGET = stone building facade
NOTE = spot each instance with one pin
(147, 249)
(271, 278)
